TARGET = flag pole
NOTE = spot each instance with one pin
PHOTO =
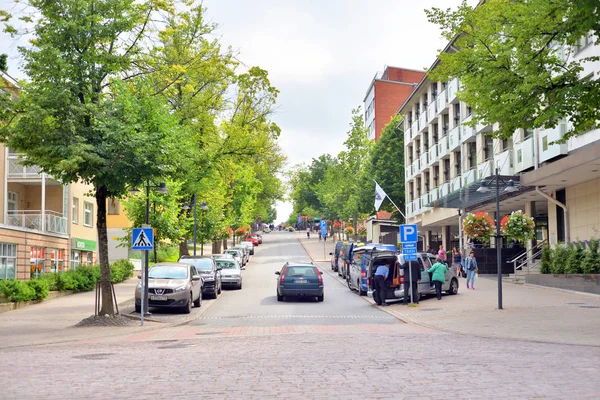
(401, 213)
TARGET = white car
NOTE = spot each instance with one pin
(249, 245)
(237, 254)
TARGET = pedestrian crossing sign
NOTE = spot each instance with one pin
(142, 239)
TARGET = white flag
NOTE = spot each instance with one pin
(379, 196)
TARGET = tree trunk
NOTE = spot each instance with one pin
(107, 298)
(225, 243)
(183, 248)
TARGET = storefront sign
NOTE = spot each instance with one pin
(84, 244)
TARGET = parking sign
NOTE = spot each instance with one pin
(409, 233)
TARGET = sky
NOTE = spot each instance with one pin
(321, 54)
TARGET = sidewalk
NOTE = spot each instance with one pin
(529, 313)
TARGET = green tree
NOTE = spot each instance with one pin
(515, 61)
(85, 115)
(3, 62)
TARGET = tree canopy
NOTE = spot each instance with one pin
(520, 63)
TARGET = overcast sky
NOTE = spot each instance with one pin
(321, 55)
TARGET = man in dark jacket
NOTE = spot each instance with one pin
(411, 270)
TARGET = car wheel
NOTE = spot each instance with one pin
(188, 307)
(360, 291)
(220, 288)
(321, 297)
(279, 297)
(349, 286)
(215, 294)
(198, 302)
(138, 308)
(240, 287)
(453, 286)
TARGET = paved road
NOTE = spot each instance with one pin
(248, 346)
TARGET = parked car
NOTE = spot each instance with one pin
(335, 256)
(252, 239)
(231, 272)
(237, 254)
(171, 285)
(267, 230)
(250, 247)
(259, 236)
(245, 253)
(208, 270)
(395, 290)
(359, 268)
(300, 279)
(346, 254)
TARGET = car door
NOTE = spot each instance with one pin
(195, 284)
(424, 265)
(355, 268)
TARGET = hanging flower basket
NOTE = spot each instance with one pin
(337, 226)
(478, 226)
(349, 231)
(240, 232)
(362, 231)
(518, 226)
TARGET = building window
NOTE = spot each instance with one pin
(56, 260)
(519, 156)
(88, 209)
(545, 143)
(75, 259)
(8, 261)
(89, 258)
(75, 210)
(13, 202)
(113, 206)
(36, 261)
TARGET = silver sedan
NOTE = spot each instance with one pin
(231, 273)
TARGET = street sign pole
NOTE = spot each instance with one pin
(143, 291)
(143, 239)
(409, 238)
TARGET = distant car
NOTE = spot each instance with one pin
(208, 270)
(300, 279)
(290, 229)
(335, 255)
(250, 247)
(252, 239)
(171, 285)
(237, 254)
(245, 253)
(267, 230)
(231, 272)
(259, 236)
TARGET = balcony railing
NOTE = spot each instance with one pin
(414, 130)
(485, 169)
(32, 219)
(444, 189)
(442, 100)
(424, 159)
(433, 154)
(453, 87)
(524, 154)
(432, 110)
(19, 171)
(466, 133)
(423, 120)
(454, 139)
(470, 176)
(424, 201)
(443, 147)
(456, 183)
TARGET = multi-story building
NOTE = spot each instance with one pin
(45, 226)
(445, 161)
(387, 91)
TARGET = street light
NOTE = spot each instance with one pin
(484, 188)
(162, 189)
(203, 207)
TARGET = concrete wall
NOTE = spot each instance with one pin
(584, 208)
(588, 283)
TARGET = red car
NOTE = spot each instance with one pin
(253, 239)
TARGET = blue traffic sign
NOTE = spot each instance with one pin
(409, 233)
(299, 219)
(408, 251)
(410, 245)
(323, 228)
(142, 239)
(409, 257)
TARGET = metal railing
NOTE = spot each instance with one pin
(32, 219)
(529, 258)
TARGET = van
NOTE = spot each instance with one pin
(361, 257)
(346, 253)
(335, 255)
(395, 286)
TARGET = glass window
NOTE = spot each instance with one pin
(167, 272)
(545, 143)
(519, 156)
(36, 261)
(75, 258)
(13, 202)
(89, 258)
(88, 209)
(8, 260)
(113, 206)
(75, 210)
(56, 260)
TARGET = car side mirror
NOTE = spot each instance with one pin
(330, 254)
(277, 273)
(196, 277)
(139, 277)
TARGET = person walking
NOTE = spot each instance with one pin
(308, 234)
(430, 250)
(381, 275)
(438, 271)
(319, 236)
(456, 260)
(442, 254)
(472, 269)
(412, 276)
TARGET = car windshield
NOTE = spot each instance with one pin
(203, 265)
(233, 253)
(168, 272)
(301, 271)
(225, 264)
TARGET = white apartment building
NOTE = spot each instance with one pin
(445, 161)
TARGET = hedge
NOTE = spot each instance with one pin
(573, 259)
(81, 279)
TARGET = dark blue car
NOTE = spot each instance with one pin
(300, 279)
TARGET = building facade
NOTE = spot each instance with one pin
(445, 161)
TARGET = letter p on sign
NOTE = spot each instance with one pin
(408, 233)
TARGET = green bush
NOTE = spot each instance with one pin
(169, 253)
(591, 259)
(40, 288)
(559, 260)
(16, 291)
(546, 266)
(121, 270)
(53, 280)
(574, 259)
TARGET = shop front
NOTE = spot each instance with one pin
(82, 252)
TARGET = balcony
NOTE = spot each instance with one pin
(481, 128)
(425, 200)
(16, 170)
(417, 205)
(416, 166)
(444, 189)
(410, 209)
(414, 129)
(408, 172)
(485, 169)
(469, 177)
(504, 162)
(455, 183)
(30, 219)
(422, 121)
(433, 154)
(523, 155)
(424, 159)
(443, 147)
(466, 133)
(432, 111)
(452, 88)
(549, 151)
(433, 194)
(442, 100)
(454, 139)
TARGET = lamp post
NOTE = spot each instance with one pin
(203, 207)
(484, 188)
(160, 188)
